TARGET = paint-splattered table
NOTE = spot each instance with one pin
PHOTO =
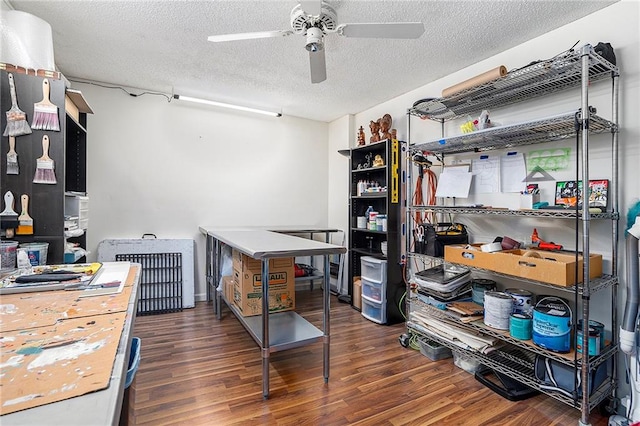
(67, 364)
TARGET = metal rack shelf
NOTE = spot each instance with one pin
(568, 213)
(578, 69)
(515, 363)
(595, 284)
(528, 345)
(540, 78)
(532, 132)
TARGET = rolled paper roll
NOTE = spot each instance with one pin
(531, 253)
(479, 79)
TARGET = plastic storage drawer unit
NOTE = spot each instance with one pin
(373, 269)
(373, 291)
(373, 311)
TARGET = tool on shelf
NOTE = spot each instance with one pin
(537, 242)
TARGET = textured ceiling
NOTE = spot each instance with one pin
(162, 46)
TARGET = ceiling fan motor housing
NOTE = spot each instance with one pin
(314, 39)
(301, 22)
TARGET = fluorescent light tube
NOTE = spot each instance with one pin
(223, 105)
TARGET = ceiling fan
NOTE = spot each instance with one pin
(316, 18)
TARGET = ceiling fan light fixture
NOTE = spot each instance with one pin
(225, 105)
(314, 39)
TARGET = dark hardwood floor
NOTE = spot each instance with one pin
(196, 370)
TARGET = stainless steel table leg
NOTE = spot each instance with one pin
(265, 328)
(208, 266)
(217, 301)
(325, 320)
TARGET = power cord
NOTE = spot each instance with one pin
(409, 341)
(134, 95)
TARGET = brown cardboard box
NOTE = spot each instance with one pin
(470, 255)
(247, 284)
(540, 265)
(227, 288)
(551, 267)
(357, 293)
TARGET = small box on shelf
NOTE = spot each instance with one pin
(528, 200)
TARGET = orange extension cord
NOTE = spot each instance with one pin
(418, 197)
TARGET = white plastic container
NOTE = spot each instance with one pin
(8, 254)
(372, 290)
(373, 269)
(383, 248)
(462, 361)
(78, 206)
(374, 311)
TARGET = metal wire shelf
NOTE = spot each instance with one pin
(568, 213)
(547, 129)
(595, 284)
(527, 345)
(517, 364)
(540, 78)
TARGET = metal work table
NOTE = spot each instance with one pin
(289, 328)
(310, 232)
(96, 408)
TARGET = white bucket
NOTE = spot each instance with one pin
(37, 252)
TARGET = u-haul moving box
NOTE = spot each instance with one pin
(247, 284)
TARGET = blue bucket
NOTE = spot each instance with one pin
(134, 361)
(552, 321)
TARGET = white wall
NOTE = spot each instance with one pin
(168, 168)
(341, 133)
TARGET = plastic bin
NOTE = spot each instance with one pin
(373, 290)
(434, 351)
(373, 311)
(126, 415)
(134, 361)
(8, 253)
(465, 362)
(373, 269)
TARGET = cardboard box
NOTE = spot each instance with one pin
(227, 288)
(357, 293)
(470, 255)
(539, 265)
(247, 284)
(551, 267)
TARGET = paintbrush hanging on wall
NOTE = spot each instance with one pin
(44, 165)
(17, 124)
(45, 113)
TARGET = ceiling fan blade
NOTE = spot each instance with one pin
(318, 66)
(311, 7)
(382, 30)
(249, 36)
